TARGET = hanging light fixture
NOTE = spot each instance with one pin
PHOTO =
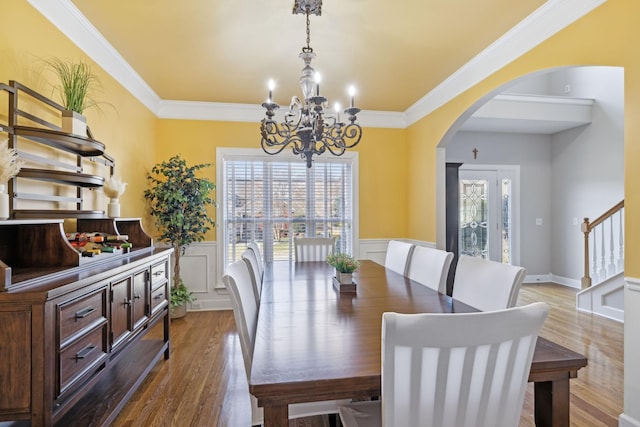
(307, 127)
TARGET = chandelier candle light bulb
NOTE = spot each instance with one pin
(272, 86)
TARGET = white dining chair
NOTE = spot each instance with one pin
(256, 250)
(430, 267)
(487, 285)
(452, 370)
(398, 255)
(237, 279)
(313, 248)
(256, 279)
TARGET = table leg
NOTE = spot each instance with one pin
(552, 403)
(276, 416)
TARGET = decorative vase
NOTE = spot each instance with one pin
(74, 123)
(344, 278)
(113, 210)
(178, 311)
(4, 203)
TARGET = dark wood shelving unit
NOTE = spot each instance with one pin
(63, 141)
(29, 121)
(79, 334)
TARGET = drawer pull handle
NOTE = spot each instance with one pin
(84, 312)
(137, 297)
(159, 296)
(127, 302)
(158, 273)
(82, 354)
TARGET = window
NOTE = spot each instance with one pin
(271, 200)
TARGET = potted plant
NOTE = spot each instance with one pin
(10, 166)
(345, 265)
(113, 188)
(77, 81)
(178, 201)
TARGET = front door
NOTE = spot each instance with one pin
(486, 220)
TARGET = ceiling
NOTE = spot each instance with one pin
(225, 51)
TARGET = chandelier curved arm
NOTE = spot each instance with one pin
(352, 134)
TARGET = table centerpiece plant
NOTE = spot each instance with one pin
(345, 265)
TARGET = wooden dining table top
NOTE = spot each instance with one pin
(315, 343)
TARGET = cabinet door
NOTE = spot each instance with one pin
(140, 298)
(15, 353)
(121, 322)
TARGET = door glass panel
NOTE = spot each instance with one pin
(474, 216)
(506, 221)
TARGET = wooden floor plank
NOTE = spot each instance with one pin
(204, 383)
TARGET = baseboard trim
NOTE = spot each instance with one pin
(626, 421)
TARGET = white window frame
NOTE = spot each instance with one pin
(224, 154)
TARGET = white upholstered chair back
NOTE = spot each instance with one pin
(249, 258)
(450, 370)
(430, 267)
(487, 285)
(398, 254)
(256, 250)
(237, 279)
(313, 248)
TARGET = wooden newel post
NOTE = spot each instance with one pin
(586, 279)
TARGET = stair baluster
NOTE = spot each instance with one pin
(600, 269)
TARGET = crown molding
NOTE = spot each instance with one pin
(547, 20)
(187, 110)
(73, 24)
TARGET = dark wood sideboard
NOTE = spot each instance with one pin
(77, 335)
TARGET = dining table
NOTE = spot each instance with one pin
(315, 343)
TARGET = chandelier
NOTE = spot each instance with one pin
(307, 128)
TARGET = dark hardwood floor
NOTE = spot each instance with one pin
(204, 384)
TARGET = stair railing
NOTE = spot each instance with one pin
(607, 259)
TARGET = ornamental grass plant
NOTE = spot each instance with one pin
(10, 164)
(77, 82)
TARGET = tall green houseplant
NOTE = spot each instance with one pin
(178, 200)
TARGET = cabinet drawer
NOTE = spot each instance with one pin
(75, 315)
(159, 273)
(158, 298)
(82, 357)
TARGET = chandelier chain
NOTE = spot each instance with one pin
(308, 48)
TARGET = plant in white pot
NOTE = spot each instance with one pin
(10, 166)
(178, 201)
(113, 188)
(77, 82)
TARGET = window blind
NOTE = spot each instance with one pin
(273, 201)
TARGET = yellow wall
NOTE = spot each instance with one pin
(138, 140)
(382, 152)
(606, 36)
(124, 125)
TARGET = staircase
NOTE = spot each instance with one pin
(603, 281)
